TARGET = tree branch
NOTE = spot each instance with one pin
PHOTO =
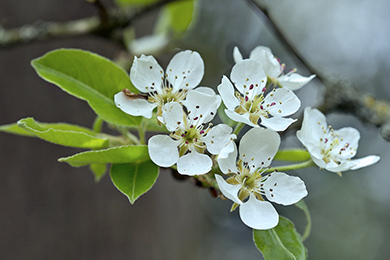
(340, 95)
(103, 25)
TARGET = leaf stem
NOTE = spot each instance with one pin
(290, 167)
(141, 131)
(238, 128)
(97, 125)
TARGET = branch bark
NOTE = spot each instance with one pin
(101, 25)
(340, 95)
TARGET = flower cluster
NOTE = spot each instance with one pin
(258, 94)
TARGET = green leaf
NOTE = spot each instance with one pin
(280, 243)
(15, 129)
(292, 155)
(134, 179)
(175, 17)
(180, 14)
(120, 154)
(135, 2)
(64, 134)
(302, 205)
(89, 77)
(98, 169)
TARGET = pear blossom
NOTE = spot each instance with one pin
(190, 134)
(274, 69)
(250, 104)
(331, 149)
(257, 149)
(184, 72)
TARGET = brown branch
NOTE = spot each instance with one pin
(340, 95)
(103, 25)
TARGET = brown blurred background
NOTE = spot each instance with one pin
(49, 210)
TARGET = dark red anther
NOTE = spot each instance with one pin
(201, 132)
(251, 87)
(246, 98)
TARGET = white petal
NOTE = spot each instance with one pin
(311, 131)
(315, 153)
(294, 81)
(205, 90)
(365, 161)
(258, 214)
(277, 123)
(146, 73)
(258, 147)
(284, 189)
(185, 70)
(353, 164)
(149, 44)
(202, 107)
(348, 143)
(244, 118)
(226, 90)
(281, 102)
(194, 163)
(134, 107)
(270, 64)
(173, 116)
(218, 137)
(230, 191)
(227, 158)
(335, 167)
(247, 73)
(161, 145)
(237, 55)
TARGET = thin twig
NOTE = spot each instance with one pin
(340, 95)
(101, 25)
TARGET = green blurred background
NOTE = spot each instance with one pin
(49, 210)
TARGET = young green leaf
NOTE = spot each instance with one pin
(120, 154)
(302, 205)
(134, 179)
(89, 77)
(281, 242)
(175, 17)
(98, 169)
(292, 155)
(135, 2)
(63, 134)
(15, 129)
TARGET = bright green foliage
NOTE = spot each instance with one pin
(135, 2)
(280, 243)
(98, 169)
(15, 129)
(180, 14)
(120, 154)
(63, 134)
(134, 179)
(175, 17)
(302, 205)
(89, 77)
(292, 155)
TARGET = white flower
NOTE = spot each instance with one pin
(249, 105)
(257, 149)
(191, 134)
(331, 149)
(274, 69)
(184, 72)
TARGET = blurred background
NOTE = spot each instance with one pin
(49, 210)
